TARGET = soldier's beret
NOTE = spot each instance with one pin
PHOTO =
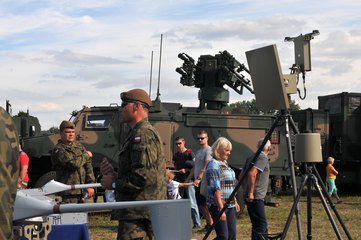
(66, 124)
(136, 95)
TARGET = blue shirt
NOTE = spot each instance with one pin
(219, 177)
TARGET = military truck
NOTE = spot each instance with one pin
(338, 120)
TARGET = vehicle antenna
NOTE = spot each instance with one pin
(160, 63)
(8, 107)
(151, 73)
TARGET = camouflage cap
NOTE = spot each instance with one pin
(66, 124)
(138, 95)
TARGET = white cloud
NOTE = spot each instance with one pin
(56, 56)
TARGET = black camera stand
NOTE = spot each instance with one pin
(312, 178)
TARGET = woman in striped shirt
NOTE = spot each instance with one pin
(221, 181)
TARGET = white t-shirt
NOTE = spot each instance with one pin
(173, 190)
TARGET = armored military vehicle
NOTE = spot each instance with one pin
(101, 131)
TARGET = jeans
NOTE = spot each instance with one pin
(225, 230)
(258, 219)
(191, 194)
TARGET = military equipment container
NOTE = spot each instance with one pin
(338, 120)
(345, 134)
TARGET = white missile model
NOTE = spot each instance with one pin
(169, 217)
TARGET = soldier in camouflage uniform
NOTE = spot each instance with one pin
(9, 172)
(72, 163)
(141, 170)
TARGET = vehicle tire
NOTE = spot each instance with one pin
(44, 179)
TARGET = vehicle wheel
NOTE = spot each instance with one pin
(44, 179)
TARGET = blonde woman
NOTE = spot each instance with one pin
(331, 174)
(221, 181)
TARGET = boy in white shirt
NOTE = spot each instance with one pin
(173, 186)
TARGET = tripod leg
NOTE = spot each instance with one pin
(293, 175)
(327, 210)
(294, 206)
(332, 205)
(309, 208)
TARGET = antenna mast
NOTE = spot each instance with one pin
(160, 63)
(151, 73)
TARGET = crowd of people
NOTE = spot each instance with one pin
(210, 165)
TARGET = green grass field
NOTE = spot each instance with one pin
(101, 227)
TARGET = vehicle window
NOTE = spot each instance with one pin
(98, 121)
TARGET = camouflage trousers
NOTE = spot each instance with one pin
(138, 229)
(71, 198)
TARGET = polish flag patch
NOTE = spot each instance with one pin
(137, 140)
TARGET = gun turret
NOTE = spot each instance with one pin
(186, 70)
(210, 74)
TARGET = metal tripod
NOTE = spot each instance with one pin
(313, 178)
(283, 119)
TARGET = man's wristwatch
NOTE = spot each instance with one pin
(199, 178)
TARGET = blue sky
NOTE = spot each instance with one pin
(56, 56)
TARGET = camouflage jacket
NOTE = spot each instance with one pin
(9, 172)
(72, 164)
(141, 170)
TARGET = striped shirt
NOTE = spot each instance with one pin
(219, 177)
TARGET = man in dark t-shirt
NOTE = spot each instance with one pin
(183, 162)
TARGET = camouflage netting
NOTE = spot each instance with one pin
(9, 172)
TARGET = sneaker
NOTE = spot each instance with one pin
(196, 227)
(205, 229)
(339, 201)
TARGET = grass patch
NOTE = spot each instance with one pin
(101, 227)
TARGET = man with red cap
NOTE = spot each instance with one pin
(141, 168)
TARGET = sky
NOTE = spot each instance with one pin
(58, 56)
